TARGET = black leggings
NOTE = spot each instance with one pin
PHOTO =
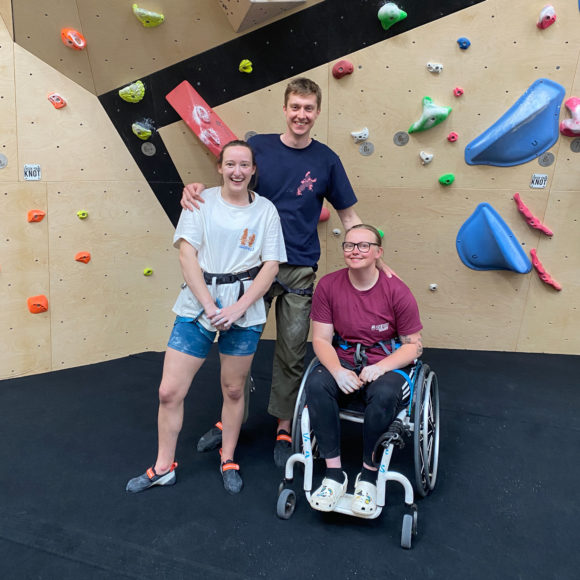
(382, 400)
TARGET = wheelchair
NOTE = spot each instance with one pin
(419, 421)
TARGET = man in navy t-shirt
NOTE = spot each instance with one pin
(296, 173)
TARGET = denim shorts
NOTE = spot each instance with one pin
(190, 337)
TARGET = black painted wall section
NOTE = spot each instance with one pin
(281, 50)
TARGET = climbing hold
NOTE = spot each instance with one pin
(426, 158)
(143, 129)
(432, 287)
(544, 276)
(360, 136)
(571, 127)
(458, 91)
(528, 129)
(434, 67)
(56, 100)
(464, 43)
(245, 66)
(133, 93)
(547, 17)
(324, 215)
(452, 137)
(381, 233)
(148, 272)
(82, 214)
(390, 14)
(73, 38)
(199, 117)
(531, 220)
(37, 304)
(83, 257)
(36, 215)
(342, 68)
(447, 179)
(336, 232)
(432, 115)
(147, 18)
(485, 242)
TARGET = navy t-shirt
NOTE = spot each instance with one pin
(296, 181)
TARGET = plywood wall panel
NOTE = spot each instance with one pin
(8, 142)
(108, 308)
(552, 318)
(37, 28)
(75, 143)
(25, 339)
(6, 14)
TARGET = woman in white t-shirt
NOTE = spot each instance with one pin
(229, 252)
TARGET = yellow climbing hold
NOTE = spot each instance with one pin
(133, 93)
(147, 18)
(148, 272)
(142, 129)
(246, 66)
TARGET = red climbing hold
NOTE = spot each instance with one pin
(452, 137)
(531, 219)
(342, 68)
(83, 257)
(544, 276)
(324, 215)
(38, 304)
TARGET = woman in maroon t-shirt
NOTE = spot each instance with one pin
(359, 305)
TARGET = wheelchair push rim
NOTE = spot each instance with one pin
(426, 431)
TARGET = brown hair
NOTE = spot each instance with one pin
(377, 234)
(303, 86)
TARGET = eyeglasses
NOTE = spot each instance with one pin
(362, 247)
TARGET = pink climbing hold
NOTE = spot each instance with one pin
(452, 137)
(571, 127)
(458, 91)
(547, 17)
(531, 219)
(544, 276)
(342, 68)
(324, 215)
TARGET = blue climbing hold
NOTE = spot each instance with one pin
(464, 43)
(485, 242)
(528, 129)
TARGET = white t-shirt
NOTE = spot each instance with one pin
(229, 239)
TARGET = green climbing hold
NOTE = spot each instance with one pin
(381, 233)
(432, 115)
(390, 14)
(133, 93)
(246, 66)
(147, 18)
(447, 179)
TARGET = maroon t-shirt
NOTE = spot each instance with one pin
(386, 311)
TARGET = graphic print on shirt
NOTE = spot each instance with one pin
(380, 327)
(247, 240)
(306, 184)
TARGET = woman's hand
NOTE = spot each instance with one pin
(223, 318)
(191, 196)
(348, 381)
(371, 373)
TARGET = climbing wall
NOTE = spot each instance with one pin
(495, 310)
(102, 309)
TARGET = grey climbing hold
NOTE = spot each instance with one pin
(546, 159)
(3, 161)
(366, 148)
(401, 138)
(148, 149)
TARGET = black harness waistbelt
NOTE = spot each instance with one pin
(240, 277)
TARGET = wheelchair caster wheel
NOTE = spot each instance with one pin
(286, 504)
(407, 531)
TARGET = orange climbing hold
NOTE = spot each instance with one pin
(56, 100)
(36, 215)
(83, 257)
(73, 38)
(38, 304)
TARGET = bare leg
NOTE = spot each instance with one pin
(179, 369)
(234, 370)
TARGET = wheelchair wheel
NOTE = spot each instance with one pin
(426, 430)
(298, 410)
(286, 504)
